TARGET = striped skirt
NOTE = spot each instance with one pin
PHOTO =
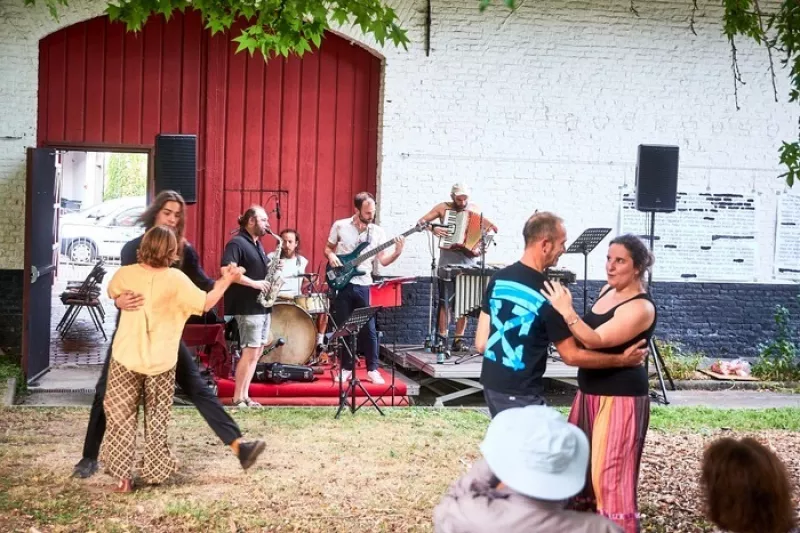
(616, 427)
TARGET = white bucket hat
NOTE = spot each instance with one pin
(536, 452)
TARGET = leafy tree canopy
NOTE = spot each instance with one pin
(276, 27)
(282, 27)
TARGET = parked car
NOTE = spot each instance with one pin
(101, 230)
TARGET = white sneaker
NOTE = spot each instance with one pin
(375, 377)
(344, 376)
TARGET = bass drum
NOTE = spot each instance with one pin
(298, 330)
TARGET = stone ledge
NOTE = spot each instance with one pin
(715, 385)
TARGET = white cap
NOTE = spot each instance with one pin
(536, 452)
(459, 189)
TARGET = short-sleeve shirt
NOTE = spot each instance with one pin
(291, 269)
(247, 253)
(147, 339)
(522, 326)
(346, 236)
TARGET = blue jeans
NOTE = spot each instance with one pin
(349, 299)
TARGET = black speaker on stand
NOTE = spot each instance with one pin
(176, 165)
(657, 191)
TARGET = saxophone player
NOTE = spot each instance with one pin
(242, 299)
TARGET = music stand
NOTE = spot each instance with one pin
(587, 242)
(351, 327)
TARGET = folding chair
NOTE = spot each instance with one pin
(87, 294)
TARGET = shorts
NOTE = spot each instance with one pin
(253, 330)
(450, 287)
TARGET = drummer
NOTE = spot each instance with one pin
(295, 279)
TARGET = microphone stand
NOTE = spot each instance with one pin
(429, 340)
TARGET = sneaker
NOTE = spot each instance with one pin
(249, 452)
(239, 403)
(375, 377)
(458, 345)
(345, 375)
(251, 403)
(85, 468)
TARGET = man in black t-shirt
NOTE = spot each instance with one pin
(241, 300)
(517, 324)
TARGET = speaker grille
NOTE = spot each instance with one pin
(656, 178)
(176, 165)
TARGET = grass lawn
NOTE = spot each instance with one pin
(362, 473)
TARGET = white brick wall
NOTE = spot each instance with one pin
(20, 31)
(540, 109)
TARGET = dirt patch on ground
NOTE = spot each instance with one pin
(362, 473)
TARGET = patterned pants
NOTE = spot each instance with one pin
(616, 427)
(121, 406)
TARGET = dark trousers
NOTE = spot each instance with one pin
(349, 299)
(500, 401)
(188, 377)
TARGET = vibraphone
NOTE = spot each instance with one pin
(470, 288)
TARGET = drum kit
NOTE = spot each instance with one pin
(294, 320)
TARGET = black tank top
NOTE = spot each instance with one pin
(616, 381)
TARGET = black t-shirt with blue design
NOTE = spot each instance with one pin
(522, 325)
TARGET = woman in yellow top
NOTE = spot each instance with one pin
(144, 354)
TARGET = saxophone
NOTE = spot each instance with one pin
(267, 297)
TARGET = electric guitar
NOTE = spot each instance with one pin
(338, 277)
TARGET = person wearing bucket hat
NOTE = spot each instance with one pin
(459, 201)
(533, 462)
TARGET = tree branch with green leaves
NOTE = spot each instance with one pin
(272, 27)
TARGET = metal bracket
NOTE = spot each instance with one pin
(36, 273)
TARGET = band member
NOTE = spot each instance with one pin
(293, 271)
(612, 405)
(241, 300)
(459, 196)
(516, 325)
(144, 355)
(168, 209)
(345, 235)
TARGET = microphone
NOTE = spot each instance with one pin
(278, 209)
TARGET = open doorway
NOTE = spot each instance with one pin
(102, 195)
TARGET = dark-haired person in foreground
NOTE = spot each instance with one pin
(612, 405)
(746, 488)
(168, 209)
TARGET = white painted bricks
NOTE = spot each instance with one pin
(539, 109)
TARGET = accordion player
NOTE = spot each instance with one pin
(464, 232)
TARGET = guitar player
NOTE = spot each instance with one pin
(459, 196)
(345, 235)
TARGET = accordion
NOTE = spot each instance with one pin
(464, 232)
